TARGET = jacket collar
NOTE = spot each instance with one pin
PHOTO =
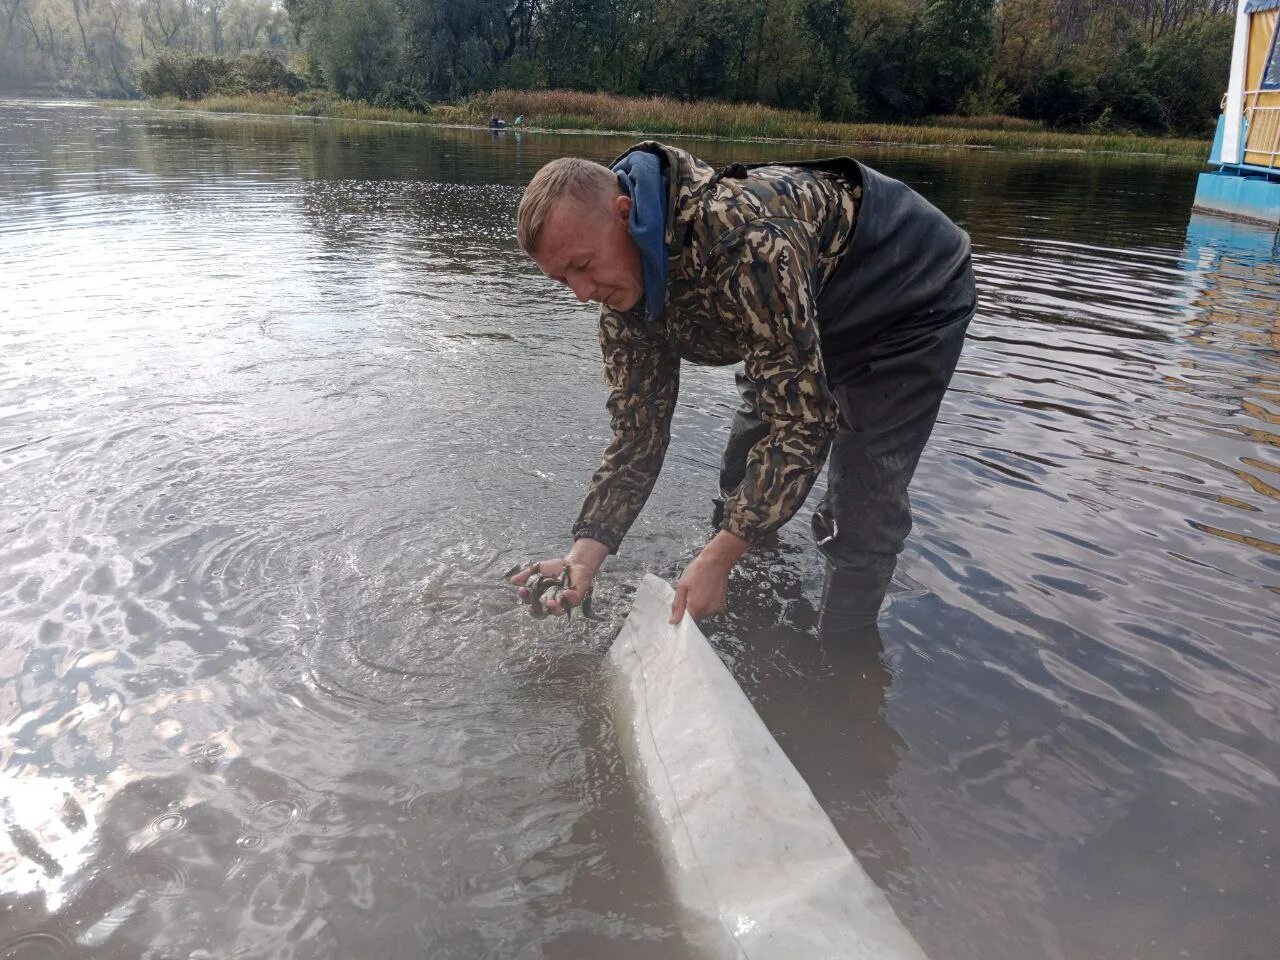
(687, 178)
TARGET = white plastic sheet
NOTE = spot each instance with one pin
(749, 851)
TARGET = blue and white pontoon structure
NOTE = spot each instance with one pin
(1246, 149)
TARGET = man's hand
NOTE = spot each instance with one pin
(584, 561)
(705, 582)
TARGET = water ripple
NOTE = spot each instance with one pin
(277, 815)
(36, 945)
(265, 412)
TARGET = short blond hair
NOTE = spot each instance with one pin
(583, 181)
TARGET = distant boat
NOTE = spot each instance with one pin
(1246, 147)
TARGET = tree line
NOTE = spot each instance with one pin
(1158, 66)
(1152, 65)
(98, 47)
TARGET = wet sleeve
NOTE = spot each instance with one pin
(642, 372)
(765, 280)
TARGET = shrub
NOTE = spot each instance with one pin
(259, 72)
(186, 76)
(402, 96)
(194, 76)
(315, 103)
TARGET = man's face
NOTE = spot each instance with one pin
(591, 252)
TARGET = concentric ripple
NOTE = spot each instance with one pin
(276, 816)
(36, 945)
(152, 872)
(167, 823)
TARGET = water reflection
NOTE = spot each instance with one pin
(1238, 269)
(265, 411)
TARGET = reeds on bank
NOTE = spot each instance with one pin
(570, 110)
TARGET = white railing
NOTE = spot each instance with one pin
(1263, 135)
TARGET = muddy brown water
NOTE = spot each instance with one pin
(280, 399)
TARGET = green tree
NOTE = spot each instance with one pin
(829, 76)
(884, 38)
(956, 48)
(1187, 75)
(356, 44)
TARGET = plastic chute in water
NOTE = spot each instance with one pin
(750, 853)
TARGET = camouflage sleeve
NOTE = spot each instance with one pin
(764, 277)
(642, 371)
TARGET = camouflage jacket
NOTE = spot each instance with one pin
(746, 259)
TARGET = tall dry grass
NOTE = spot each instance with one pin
(990, 121)
(659, 116)
(569, 109)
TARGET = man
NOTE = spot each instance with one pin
(844, 294)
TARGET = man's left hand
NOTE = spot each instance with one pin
(702, 588)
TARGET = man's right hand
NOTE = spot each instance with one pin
(584, 560)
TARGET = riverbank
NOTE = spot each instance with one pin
(564, 111)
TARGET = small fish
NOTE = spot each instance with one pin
(544, 590)
(25, 842)
(72, 814)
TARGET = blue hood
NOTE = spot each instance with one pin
(640, 176)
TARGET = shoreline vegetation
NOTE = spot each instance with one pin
(564, 111)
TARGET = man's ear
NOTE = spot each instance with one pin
(621, 206)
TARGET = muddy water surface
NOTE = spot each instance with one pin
(279, 400)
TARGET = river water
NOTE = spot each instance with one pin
(279, 401)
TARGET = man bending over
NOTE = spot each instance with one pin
(844, 294)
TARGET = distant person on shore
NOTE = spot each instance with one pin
(844, 294)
